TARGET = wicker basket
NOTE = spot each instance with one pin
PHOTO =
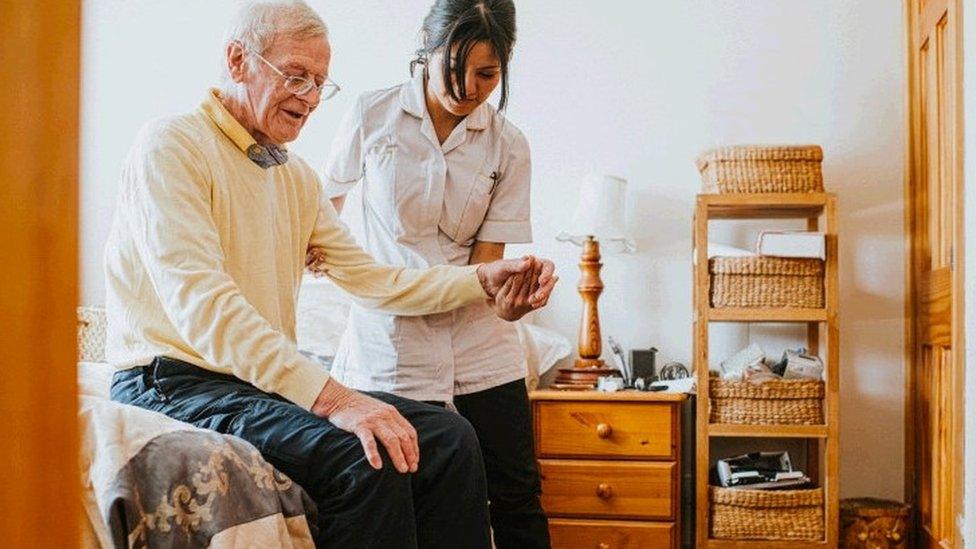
(766, 282)
(762, 169)
(775, 402)
(91, 334)
(767, 514)
(873, 523)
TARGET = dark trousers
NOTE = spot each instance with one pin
(503, 421)
(442, 505)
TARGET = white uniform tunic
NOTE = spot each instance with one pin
(426, 204)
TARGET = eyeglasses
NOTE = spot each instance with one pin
(299, 85)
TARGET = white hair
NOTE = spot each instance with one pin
(259, 22)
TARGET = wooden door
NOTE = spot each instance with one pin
(39, 67)
(934, 464)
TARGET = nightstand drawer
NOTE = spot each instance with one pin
(614, 489)
(611, 534)
(639, 430)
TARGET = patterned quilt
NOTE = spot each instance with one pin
(152, 481)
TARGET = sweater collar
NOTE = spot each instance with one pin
(265, 156)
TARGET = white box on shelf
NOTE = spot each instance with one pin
(803, 244)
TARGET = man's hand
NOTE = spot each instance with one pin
(517, 286)
(369, 419)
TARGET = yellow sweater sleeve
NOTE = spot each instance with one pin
(396, 290)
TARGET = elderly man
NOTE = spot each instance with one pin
(214, 223)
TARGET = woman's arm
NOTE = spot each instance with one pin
(483, 252)
(344, 168)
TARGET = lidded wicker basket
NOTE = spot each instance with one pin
(767, 514)
(766, 282)
(762, 169)
(774, 402)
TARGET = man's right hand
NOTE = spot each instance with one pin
(369, 419)
(517, 286)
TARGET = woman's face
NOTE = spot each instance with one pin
(481, 77)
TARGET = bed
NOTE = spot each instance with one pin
(151, 481)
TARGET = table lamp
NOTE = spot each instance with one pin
(599, 219)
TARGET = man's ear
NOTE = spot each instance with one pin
(236, 61)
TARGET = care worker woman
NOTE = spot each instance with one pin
(446, 181)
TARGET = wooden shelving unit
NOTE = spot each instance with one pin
(821, 440)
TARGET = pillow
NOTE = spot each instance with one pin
(543, 349)
(322, 313)
(95, 379)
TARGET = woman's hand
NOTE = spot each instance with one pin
(525, 286)
(315, 261)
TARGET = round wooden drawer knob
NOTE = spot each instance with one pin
(604, 430)
(604, 491)
(895, 536)
(863, 536)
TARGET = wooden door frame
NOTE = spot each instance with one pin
(957, 433)
(40, 493)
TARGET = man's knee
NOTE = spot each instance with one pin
(349, 493)
(450, 451)
(383, 482)
(452, 432)
(346, 472)
(463, 431)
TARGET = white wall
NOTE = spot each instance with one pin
(632, 88)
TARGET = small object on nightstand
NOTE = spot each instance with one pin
(674, 370)
(618, 354)
(642, 363)
(609, 384)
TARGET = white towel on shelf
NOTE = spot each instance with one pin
(722, 250)
(799, 244)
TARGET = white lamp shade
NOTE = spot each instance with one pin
(600, 213)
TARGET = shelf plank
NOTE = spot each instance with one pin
(732, 314)
(767, 431)
(765, 206)
(762, 544)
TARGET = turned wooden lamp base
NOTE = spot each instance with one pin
(582, 377)
(589, 367)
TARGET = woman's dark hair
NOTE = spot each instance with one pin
(462, 24)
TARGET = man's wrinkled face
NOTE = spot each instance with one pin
(277, 114)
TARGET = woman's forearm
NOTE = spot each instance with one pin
(486, 252)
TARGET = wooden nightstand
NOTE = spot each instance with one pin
(611, 468)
